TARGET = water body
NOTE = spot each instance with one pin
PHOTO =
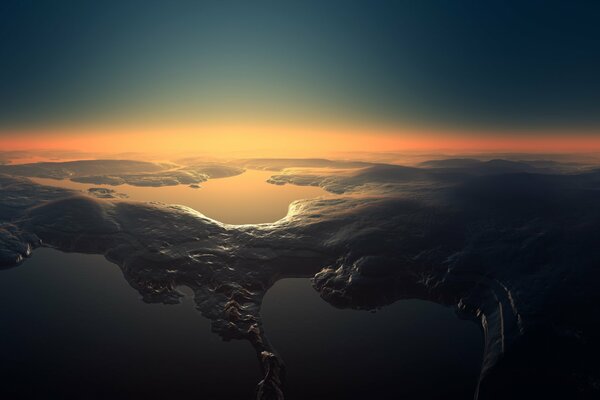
(72, 328)
(411, 350)
(240, 199)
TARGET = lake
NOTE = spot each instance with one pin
(411, 350)
(72, 328)
(240, 199)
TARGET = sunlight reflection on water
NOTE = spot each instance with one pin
(241, 199)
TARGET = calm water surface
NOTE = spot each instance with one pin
(410, 350)
(72, 328)
(241, 199)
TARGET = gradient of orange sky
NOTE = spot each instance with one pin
(286, 140)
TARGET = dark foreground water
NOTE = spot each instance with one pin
(410, 350)
(72, 328)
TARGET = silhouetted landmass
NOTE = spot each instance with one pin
(70, 169)
(278, 164)
(500, 166)
(119, 172)
(515, 250)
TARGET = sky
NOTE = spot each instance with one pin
(285, 78)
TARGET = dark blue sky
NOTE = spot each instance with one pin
(482, 64)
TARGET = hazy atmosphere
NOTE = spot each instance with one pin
(299, 200)
(266, 78)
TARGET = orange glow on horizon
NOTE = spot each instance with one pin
(279, 140)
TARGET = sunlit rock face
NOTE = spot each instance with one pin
(516, 250)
